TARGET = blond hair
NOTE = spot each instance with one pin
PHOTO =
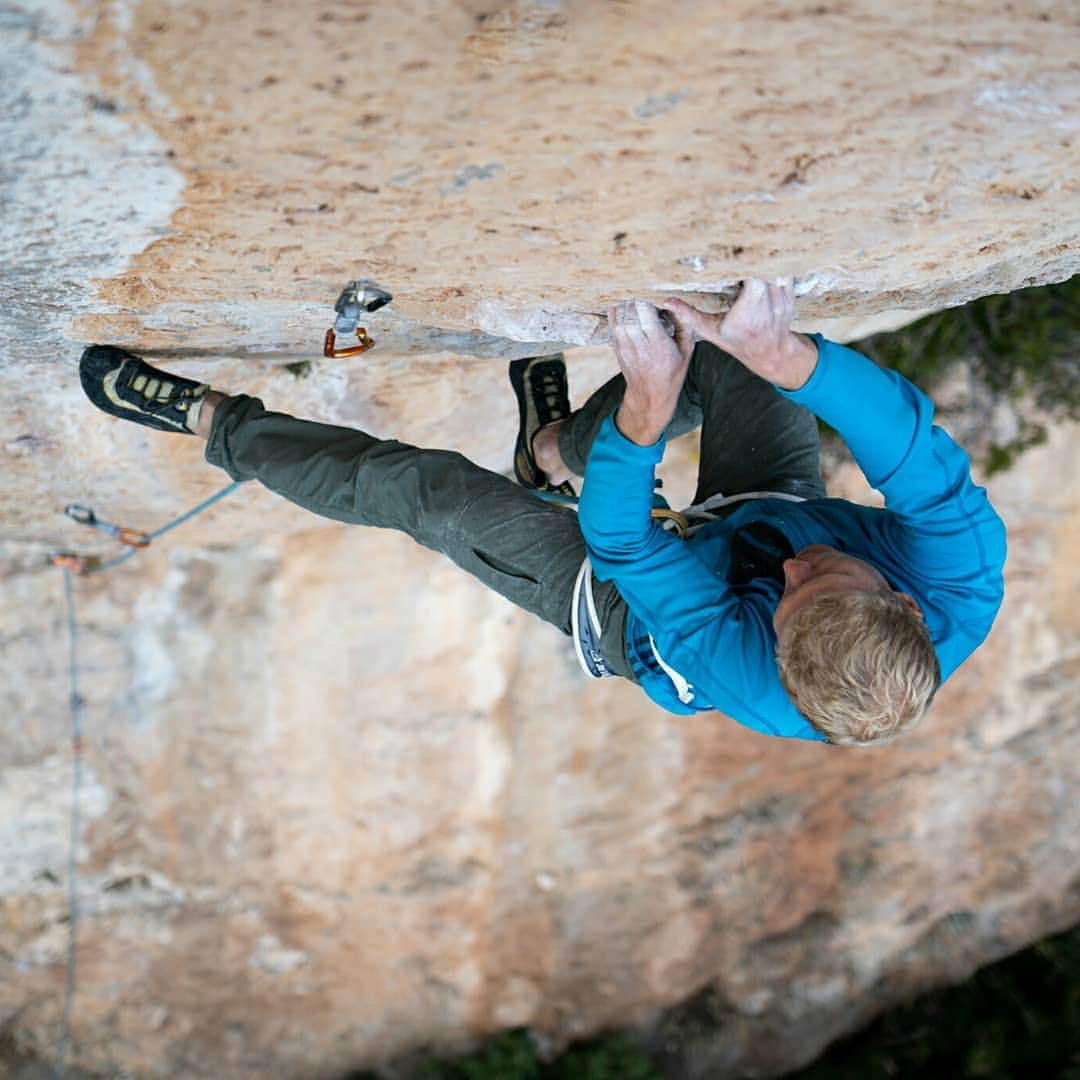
(859, 666)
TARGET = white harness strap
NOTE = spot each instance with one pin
(585, 626)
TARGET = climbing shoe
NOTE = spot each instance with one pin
(119, 383)
(543, 398)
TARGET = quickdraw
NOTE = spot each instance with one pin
(85, 516)
(356, 298)
(134, 539)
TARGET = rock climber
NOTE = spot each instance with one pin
(796, 614)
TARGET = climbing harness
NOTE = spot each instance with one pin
(702, 513)
(82, 565)
(672, 520)
(585, 625)
(586, 630)
(356, 298)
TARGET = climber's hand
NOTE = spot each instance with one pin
(654, 367)
(756, 331)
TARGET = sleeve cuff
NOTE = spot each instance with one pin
(809, 389)
(651, 455)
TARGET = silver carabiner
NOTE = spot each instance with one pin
(82, 514)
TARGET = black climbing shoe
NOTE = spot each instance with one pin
(119, 383)
(543, 398)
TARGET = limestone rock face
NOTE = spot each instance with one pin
(514, 166)
(337, 801)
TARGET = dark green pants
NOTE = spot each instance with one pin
(526, 549)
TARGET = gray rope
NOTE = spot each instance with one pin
(76, 703)
(205, 505)
(76, 729)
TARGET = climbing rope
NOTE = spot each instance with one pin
(82, 565)
(75, 702)
(136, 540)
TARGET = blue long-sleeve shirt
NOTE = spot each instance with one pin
(938, 539)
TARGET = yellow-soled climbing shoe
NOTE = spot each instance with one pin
(543, 397)
(120, 383)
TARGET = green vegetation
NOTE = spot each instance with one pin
(512, 1055)
(1016, 1018)
(1021, 347)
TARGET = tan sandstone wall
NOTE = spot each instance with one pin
(339, 801)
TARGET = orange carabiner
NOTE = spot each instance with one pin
(132, 537)
(351, 350)
(77, 564)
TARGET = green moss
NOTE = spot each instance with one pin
(1024, 347)
(510, 1054)
(299, 369)
(613, 1057)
